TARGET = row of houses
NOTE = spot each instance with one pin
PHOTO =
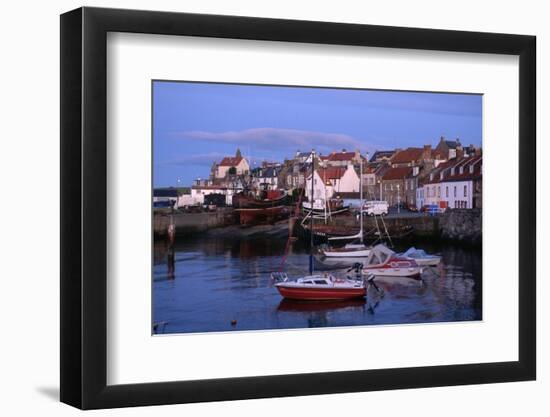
(448, 175)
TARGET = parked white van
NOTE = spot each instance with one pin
(375, 208)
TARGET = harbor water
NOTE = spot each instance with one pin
(208, 284)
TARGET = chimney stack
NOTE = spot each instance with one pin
(427, 152)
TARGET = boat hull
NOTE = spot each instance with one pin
(412, 272)
(427, 261)
(346, 254)
(252, 216)
(243, 201)
(321, 294)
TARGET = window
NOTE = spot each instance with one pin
(447, 192)
(465, 191)
(438, 192)
(454, 192)
(318, 281)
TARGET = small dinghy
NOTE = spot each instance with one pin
(421, 257)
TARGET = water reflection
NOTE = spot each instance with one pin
(204, 285)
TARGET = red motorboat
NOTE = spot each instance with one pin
(320, 287)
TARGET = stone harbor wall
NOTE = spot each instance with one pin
(463, 225)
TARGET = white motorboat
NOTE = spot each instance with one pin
(421, 257)
(385, 262)
(350, 250)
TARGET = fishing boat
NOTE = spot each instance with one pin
(355, 249)
(250, 216)
(382, 261)
(421, 257)
(242, 201)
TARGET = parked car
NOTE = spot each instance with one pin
(431, 209)
(375, 208)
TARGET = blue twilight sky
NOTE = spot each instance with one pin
(195, 124)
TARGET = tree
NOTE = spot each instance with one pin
(232, 171)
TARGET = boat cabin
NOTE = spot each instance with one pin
(379, 255)
(316, 280)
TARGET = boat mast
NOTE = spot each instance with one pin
(361, 196)
(311, 219)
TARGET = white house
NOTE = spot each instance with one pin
(451, 184)
(186, 200)
(457, 187)
(331, 180)
(198, 193)
(237, 162)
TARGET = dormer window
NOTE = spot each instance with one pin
(461, 170)
(471, 169)
(441, 175)
(452, 170)
(431, 177)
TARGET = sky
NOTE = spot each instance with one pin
(195, 124)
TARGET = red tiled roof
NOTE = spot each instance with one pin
(230, 161)
(476, 161)
(446, 168)
(341, 156)
(407, 155)
(331, 173)
(397, 173)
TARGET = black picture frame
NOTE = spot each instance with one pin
(84, 207)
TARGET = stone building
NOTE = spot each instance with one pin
(399, 185)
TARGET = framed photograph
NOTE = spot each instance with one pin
(259, 208)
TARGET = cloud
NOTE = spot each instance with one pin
(205, 159)
(288, 140)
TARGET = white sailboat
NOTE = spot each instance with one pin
(351, 250)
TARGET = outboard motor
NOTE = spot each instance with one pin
(357, 269)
